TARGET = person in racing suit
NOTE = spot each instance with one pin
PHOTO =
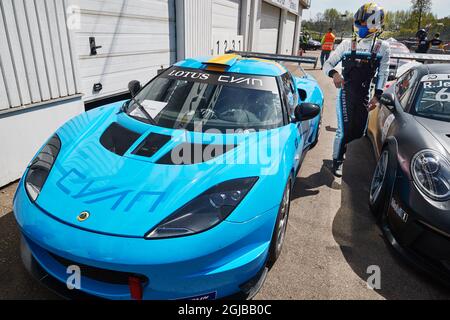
(423, 44)
(364, 58)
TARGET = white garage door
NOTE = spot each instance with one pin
(137, 38)
(269, 29)
(288, 33)
(226, 17)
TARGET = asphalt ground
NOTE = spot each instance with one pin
(331, 241)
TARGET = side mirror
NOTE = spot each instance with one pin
(388, 100)
(306, 111)
(134, 87)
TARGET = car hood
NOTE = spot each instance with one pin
(127, 195)
(439, 129)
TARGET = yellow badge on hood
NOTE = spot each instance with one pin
(83, 216)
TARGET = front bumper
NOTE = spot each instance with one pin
(225, 261)
(419, 229)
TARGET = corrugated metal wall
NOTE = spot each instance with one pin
(194, 28)
(36, 63)
(137, 37)
(226, 17)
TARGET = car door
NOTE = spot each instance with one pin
(403, 93)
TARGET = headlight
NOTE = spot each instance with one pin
(205, 211)
(431, 173)
(40, 167)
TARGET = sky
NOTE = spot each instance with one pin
(440, 7)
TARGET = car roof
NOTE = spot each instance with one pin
(236, 64)
(436, 68)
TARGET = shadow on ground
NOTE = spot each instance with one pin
(361, 241)
(304, 186)
(15, 281)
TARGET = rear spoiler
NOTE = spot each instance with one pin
(422, 57)
(276, 57)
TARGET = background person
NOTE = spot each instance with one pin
(436, 44)
(423, 44)
(327, 46)
(363, 58)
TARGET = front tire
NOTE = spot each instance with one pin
(279, 233)
(381, 186)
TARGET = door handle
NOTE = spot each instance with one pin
(93, 46)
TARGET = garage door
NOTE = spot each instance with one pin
(288, 33)
(136, 38)
(226, 17)
(269, 29)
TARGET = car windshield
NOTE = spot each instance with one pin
(199, 100)
(434, 98)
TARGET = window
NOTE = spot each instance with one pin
(433, 99)
(405, 86)
(290, 96)
(193, 99)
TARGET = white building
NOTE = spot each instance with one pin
(58, 56)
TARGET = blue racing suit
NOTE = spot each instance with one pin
(362, 62)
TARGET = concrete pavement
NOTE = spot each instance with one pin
(331, 239)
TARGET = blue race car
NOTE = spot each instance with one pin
(181, 192)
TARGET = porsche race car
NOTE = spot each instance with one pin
(410, 189)
(181, 192)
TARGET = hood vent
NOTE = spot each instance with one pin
(118, 139)
(196, 153)
(151, 144)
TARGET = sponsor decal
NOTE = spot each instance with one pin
(399, 211)
(386, 126)
(435, 77)
(223, 78)
(202, 297)
(438, 83)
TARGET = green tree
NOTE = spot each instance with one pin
(419, 8)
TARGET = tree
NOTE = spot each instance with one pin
(420, 7)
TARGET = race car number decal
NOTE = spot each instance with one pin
(443, 95)
(439, 83)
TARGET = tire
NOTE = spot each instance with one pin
(279, 232)
(380, 191)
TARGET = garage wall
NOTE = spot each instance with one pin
(288, 33)
(23, 133)
(226, 17)
(36, 64)
(137, 38)
(194, 28)
(269, 28)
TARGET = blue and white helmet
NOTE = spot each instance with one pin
(369, 19)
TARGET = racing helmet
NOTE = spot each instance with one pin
(422, 34)
(369, 20)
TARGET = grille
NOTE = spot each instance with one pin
(102, 275)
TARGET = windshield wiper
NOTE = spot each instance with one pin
(142, 109)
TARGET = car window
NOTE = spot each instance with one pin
(433, 100)
(191, 99)
(405, 86)
(289, 93)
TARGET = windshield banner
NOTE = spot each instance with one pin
(222, 78)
